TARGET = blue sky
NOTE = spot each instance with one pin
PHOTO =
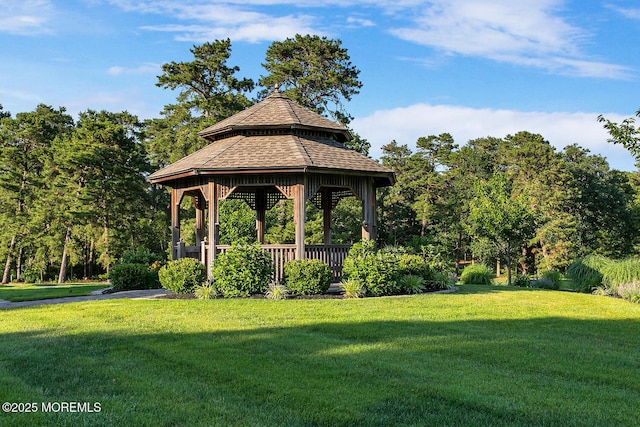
(472, 68)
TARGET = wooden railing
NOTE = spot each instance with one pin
(332, 255)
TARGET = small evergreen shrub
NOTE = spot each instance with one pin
(476, 274)
(354, 288)
(378, 271)
(277, 292)
(554, 276)
(206, 291)
(307, 277)
(412, 284)
(586, 272)
(128, 276)
(182, 276)
(521, 281)
(242, 270)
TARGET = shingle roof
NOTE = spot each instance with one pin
(276, 110)
(274, 135)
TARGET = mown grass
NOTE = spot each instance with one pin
(481, 356)
(28, 292)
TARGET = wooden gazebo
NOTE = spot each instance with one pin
(273, 150)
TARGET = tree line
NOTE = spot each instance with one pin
(73, 194)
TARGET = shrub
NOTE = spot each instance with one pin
(620, 272)
(554, 276)
(307, 276)
(629, 291)
(140, 256)
(543, 283)
(521, 281)
(414, 265)
(182, 276)
(442, 280)
(477, 274)
(378, 271)
(242, 270)
(586, 273)
(412, 284)
(354, 288)
(205, 291)
(277, 292)
(133, 276)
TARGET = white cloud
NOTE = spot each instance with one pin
(142, 69)
(360, 22)
(526, 32)
(25, 17)
(628, 12)
(407, 124)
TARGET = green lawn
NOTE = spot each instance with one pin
(481, 356)
(24, 292)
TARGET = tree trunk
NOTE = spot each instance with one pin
(498, 266)
(19, 265)
(63, 264)
(6, 277)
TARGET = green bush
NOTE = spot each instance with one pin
(354, 288)
(543, 283)
(477, 274)
(412, 284)
(554, 277)
(442, 280)
(242, 270)
(205, 291)
(133, 276)
(307, 277)
(586, 272)
(414, 265)
(182, 276)
(140, 256)
(620, 272)
(379, 271)
(277, 292)
(521, 281)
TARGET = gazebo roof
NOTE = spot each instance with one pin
(273, 136)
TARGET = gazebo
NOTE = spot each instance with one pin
(273, 150)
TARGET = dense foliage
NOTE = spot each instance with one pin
(242, 270)
(307, 277)
(476, 274)
(182, 276)
(129, 276)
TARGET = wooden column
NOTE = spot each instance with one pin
(213, 226)
(261, 212)
(299, 214)
(369, 226)
(326, 214)
(199, 204)
(175, 222)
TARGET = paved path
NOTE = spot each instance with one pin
(96, 295)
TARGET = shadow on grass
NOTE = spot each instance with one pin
(545, 371)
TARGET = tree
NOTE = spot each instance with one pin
(24, 148)
(500, 216)
(625, 133)
(314, 71)
(209, 92)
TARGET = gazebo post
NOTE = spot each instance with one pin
(213, 224)
(199, 204)
(326, 214)
(299, 214)
(175, 222)
(369, 226)
(261, 210)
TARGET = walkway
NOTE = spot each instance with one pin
(96, 295)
